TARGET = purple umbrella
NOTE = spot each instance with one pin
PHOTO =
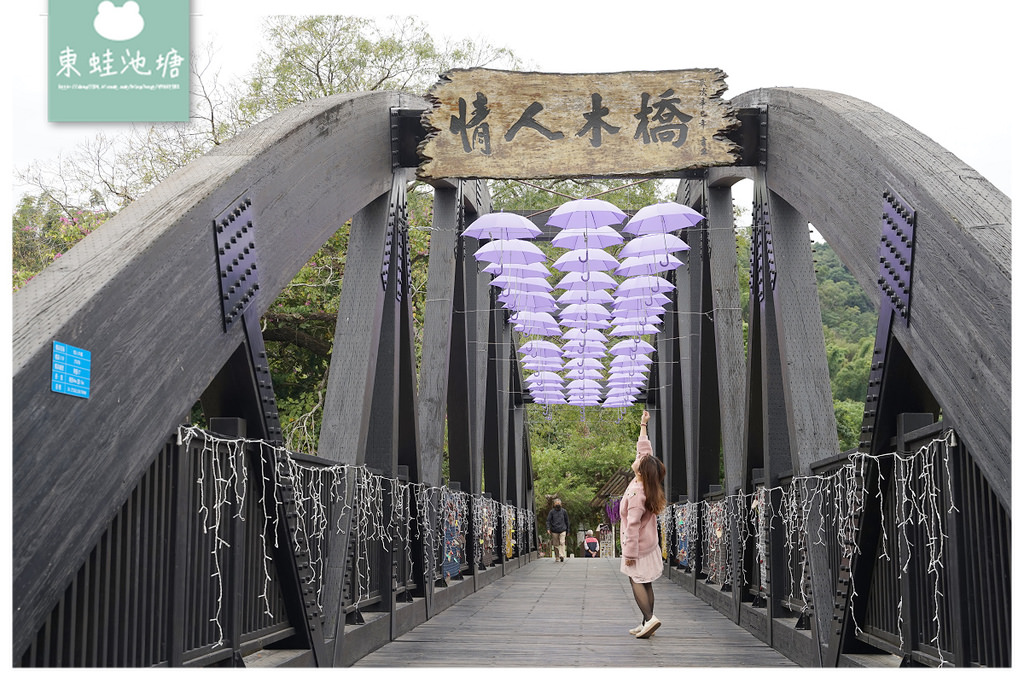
(637, 318)
(506, 226)
(584, 296)
(581, 335)
(637, 305)
(647, 265)
(643, 300)
(583, 238)
(549, 400)
(595, 310)
(528, 301)
(663, 217)
(583, 260)
(582, 345)
(538, 329)
(542, 363)
(618, 383)
(522, 284)
(583, 317)
(633, 330)
(585, 352)
(542, 376)
(585, 324)
(586, 213)
(584, 373)
(577, 363)
(654, 245)
(625, 381)
(580, 397)
(539, 390)
(617, 402)
(589, 280)
(510, 251)
(547, 392)
(522, 269)
(630, 373)
(637, 360)
(532, 316)
(540, 347)
(629, 395)
(644, 285)
(631, 347)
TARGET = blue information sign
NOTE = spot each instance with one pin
(72, 368)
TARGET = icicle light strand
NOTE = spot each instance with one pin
(328, 499)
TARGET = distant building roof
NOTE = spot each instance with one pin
(615, 486)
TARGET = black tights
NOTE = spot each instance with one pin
(644, 595)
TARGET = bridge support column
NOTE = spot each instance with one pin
(810, 417)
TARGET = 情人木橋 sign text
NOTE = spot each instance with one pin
(509, 124)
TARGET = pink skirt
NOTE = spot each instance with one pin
(646, 569)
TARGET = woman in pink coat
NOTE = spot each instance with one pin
(641, 504)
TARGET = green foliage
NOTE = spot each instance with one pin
(316, 56)
(574, 457)
(849, 322)
(509, 195)
(849, 417)
(42, 231)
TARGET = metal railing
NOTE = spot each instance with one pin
(186, 572)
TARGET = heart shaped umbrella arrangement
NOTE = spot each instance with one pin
(593, 305)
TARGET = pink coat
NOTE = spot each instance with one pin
(639, 526)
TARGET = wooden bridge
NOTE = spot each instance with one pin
(142, 540)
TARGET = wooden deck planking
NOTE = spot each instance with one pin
(574, 613)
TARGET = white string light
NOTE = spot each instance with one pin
(339, 492)
(837, 500)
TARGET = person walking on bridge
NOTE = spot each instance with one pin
(641, 504)
(558, 524)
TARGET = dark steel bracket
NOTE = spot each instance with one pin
(750, 136)
(236, 260)
(896, 253)
(407, 133)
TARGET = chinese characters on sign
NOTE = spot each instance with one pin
(72, 370)
(168, 65)
(499, 124)
(118, 62)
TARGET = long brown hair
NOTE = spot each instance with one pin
(652, 473)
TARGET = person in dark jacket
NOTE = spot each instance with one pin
(558, 524)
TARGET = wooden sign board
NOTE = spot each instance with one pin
(512, 124)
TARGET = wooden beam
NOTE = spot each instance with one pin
(437, 330)
(831, 157)
(728, 320)
(142, 294)
(807, 388)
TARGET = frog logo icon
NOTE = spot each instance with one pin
(118, 23)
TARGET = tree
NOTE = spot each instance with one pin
(317, 56)
(575, 451)
(42, 231)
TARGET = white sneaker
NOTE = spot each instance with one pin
(636, 629)
(649, 627)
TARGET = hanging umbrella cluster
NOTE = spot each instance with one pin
(593, 306)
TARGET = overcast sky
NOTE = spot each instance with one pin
(946, 73)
